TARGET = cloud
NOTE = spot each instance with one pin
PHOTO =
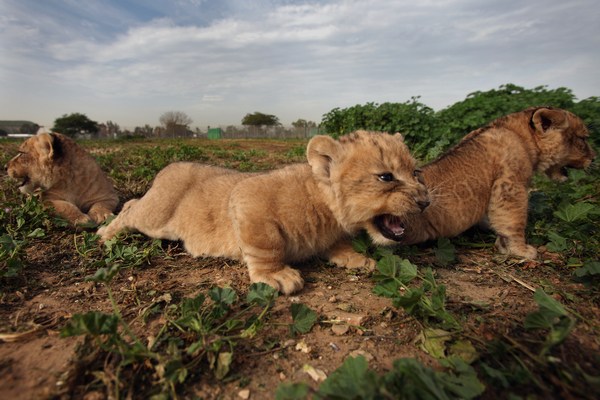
(297, 59)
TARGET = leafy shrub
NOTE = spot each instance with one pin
(20, 223)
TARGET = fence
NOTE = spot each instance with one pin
(275, 132)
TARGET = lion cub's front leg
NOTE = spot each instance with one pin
(263, 251)
(507, 214)
(99, 212)
(70, 212)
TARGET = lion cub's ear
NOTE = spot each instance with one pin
(546, 118)
(43, 144)
(321, 151)
(399, 136)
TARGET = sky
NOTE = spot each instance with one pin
(129, 61)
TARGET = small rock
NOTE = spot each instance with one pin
(350, 318)
(303, 347)
(244, 394)
(340, 329)
(368, 356)
(332, 299)
(345, 307)
(317, 375)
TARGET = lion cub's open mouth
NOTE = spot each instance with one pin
(390, 226)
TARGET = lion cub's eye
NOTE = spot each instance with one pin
(386, 177)
(417, 173)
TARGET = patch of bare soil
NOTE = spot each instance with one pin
(37, 363)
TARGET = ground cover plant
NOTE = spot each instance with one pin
(139, 318)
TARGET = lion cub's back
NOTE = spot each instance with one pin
(198, 196)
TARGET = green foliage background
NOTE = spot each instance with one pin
(428, 132)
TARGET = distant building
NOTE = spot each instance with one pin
(18, 128)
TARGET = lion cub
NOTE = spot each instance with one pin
(70, 180)
(487, 176)
(366, 180)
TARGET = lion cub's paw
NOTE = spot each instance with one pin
(527, 251)
(105, 233)
(287, 280)
(524, 250)
(100, 215)
(353, 261)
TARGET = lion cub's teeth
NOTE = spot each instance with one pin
(393, 223)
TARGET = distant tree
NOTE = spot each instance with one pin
(145, 130)
(112, 129)
(75, 124)
(260, 119)
(175, 122)
(302, 123)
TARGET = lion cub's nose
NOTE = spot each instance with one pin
(423, 204)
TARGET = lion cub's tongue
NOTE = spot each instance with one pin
(394, 224)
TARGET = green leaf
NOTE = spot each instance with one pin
(552, 316)
(37, 233)
(445, 252)
(91, 323)
(392, 266)
(175, 371)
(545, 301)
(353, 380)
(557, 242)
(292, 391)
(410, 300)
(223, 364)
(387, 288)
(261, 294)
(303, 318)
(192, 306)
(105, 275)
(589, 269)
(462, 379)
(464, 350)
(574, 212)
(223, 296)
(434, 342)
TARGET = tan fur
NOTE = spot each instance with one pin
(69, 178)
(272, 219)
(487, 176)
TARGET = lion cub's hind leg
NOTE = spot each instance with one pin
(124, 222)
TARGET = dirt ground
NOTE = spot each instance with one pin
(492, 294)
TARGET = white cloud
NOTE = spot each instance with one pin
(296, 59)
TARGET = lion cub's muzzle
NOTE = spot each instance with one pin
(392, 227)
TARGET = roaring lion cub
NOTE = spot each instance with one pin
(487, 175)
(69, 178)
(366, 180)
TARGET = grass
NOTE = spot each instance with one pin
(179, 338)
